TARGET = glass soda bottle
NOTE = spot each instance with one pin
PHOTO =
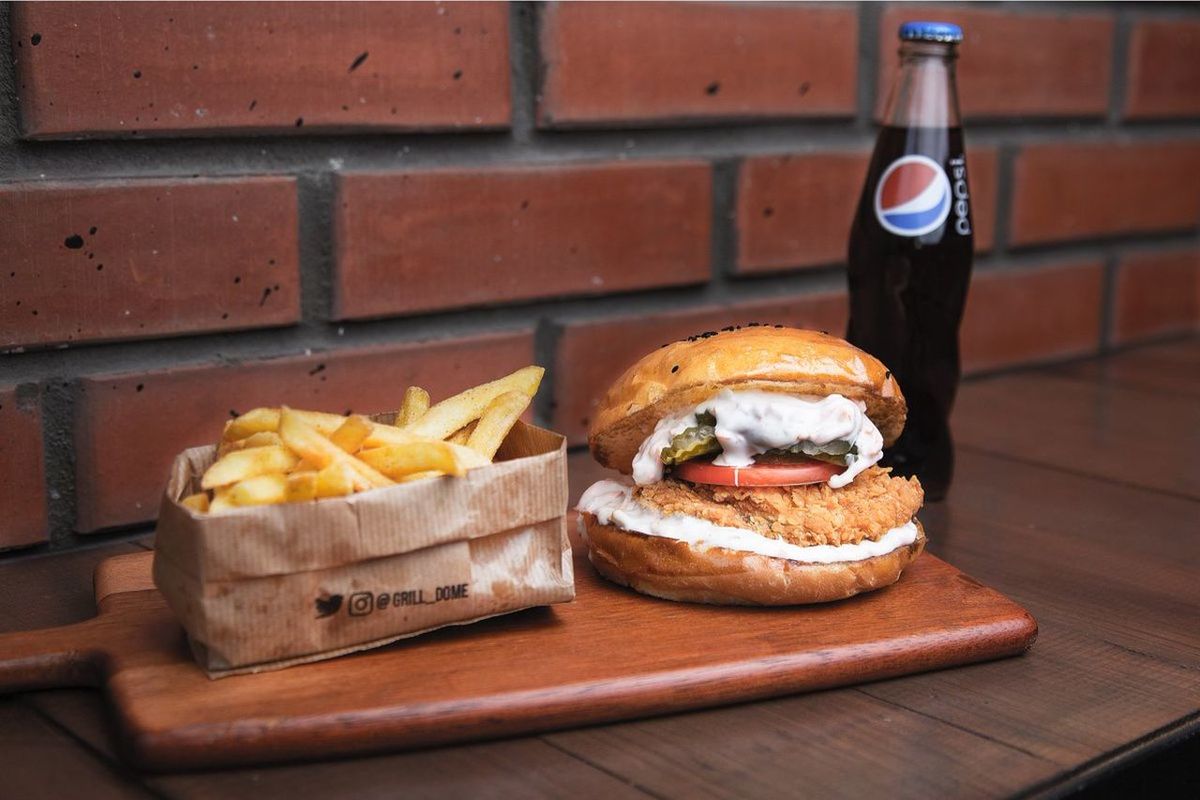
(911, 247)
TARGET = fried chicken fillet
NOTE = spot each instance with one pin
(814, 514)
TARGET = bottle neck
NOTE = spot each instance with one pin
(924, 94)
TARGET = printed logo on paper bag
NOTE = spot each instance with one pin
(913, 196)
(360, 604)
(328, 605)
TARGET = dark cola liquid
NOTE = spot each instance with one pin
(906, 302)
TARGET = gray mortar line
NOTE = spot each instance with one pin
(10, 126)
(103, 160)
(545, 350)
(58, 418)
(315, 193)
(1108, 301)
(1006, 157)
(724, 233)
(523, 70)
(1118, 80)
(868, 65)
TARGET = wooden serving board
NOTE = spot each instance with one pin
(611, 654)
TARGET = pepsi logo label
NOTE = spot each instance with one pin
(913, 196)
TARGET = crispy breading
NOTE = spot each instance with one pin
(874, 503)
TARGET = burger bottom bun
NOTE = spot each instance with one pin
(674, 570)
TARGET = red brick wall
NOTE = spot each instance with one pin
(208, 207)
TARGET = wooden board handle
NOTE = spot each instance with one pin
(50, 658)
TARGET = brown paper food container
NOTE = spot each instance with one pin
(265, 587)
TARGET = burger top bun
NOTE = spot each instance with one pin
(681, 375)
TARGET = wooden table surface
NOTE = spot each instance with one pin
(1077, 494)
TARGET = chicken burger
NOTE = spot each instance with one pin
(750, 455)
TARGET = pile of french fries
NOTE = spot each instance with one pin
(284, 455)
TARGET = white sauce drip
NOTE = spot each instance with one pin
(612, 503)
(750, 423)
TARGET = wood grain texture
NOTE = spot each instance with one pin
(1096, 707)
(39, 761)
(1172, 368)
(511, 768)
(1122, 434)
(46, 591)
(1115, 562)
(123, 573)
(830, 744)
(521, 673)
(81, 712)
(522, 768)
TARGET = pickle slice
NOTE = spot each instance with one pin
(701, 440)
(836, 452)
(694, 442)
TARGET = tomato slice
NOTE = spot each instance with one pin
(792, 473)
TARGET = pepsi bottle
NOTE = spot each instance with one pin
(910, 250)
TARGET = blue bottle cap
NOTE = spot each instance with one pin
(930, 32)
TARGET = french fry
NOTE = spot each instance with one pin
(454, 412)
(220, 502)
(351, 434)
(420, 476)
(261, 420)
(197, 502)
(324, 422)
(276, 455)
(461, 435)
(336, 480)
(251, 462)
(306, 441)
(261, 490)
(416, 403)
(310, 445)
(258, 420)
(260, 439)
(388, 434)
(301, 486)
(467, 457)
(399, 460)
(496, 422)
